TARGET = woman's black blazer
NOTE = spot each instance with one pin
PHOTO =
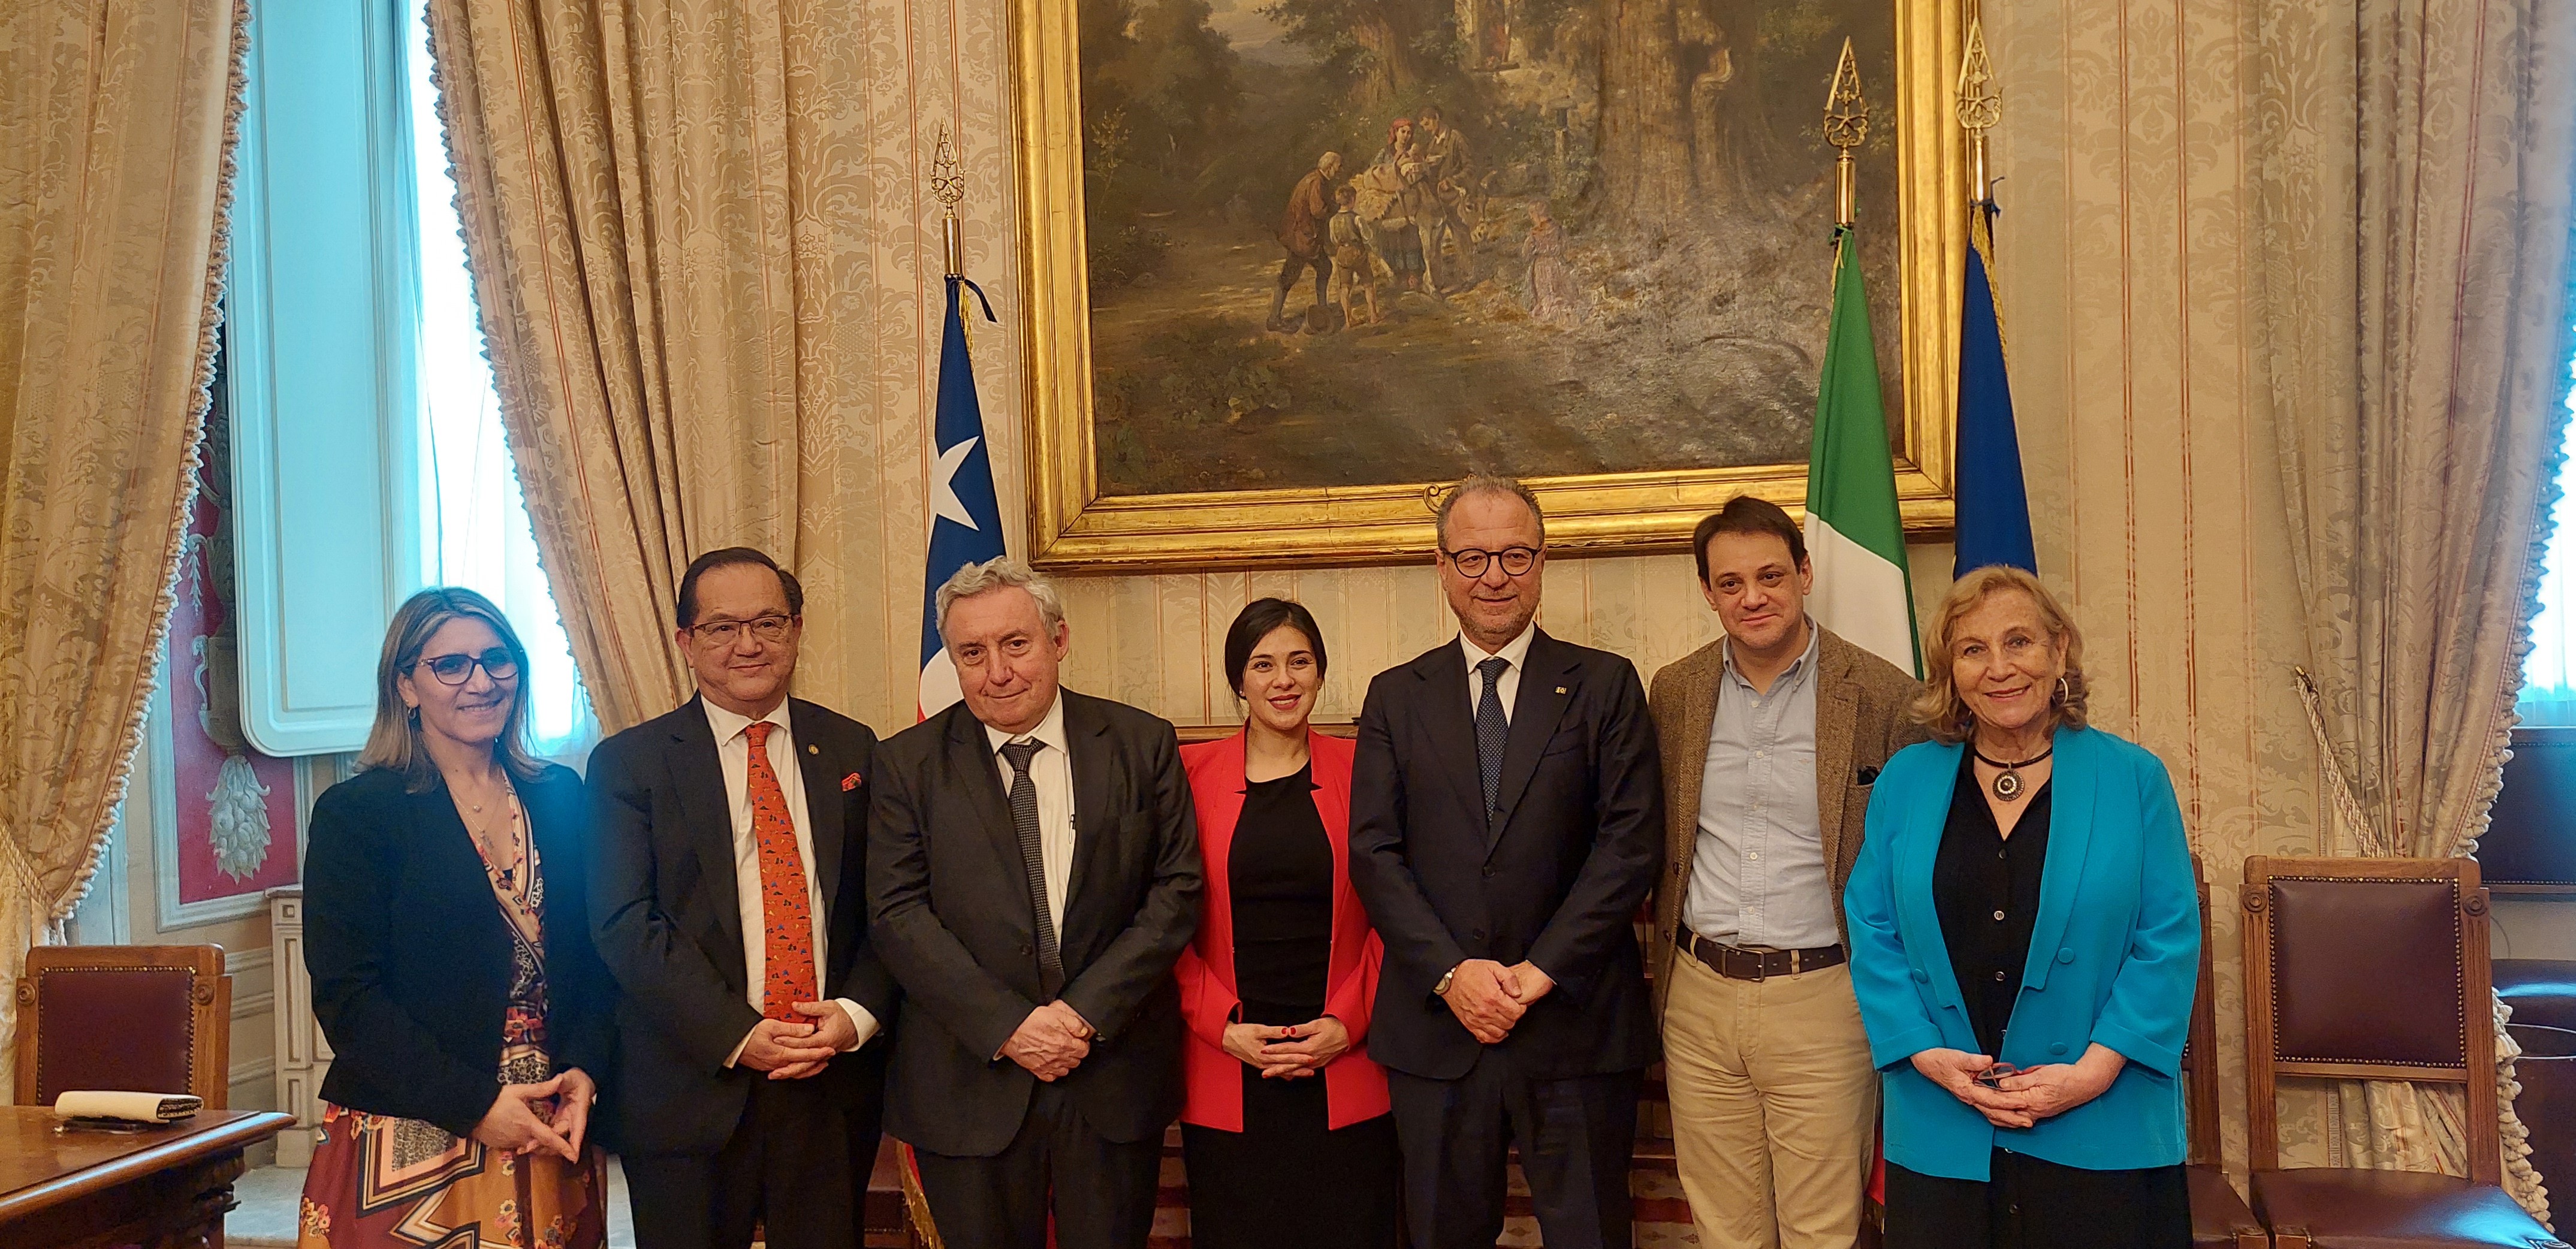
(410, 954)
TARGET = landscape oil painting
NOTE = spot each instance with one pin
(1338, 248)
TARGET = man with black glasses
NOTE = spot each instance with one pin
(728, 903)
(1506, 810)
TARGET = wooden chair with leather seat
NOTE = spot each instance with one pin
(2219, 1218)
(132, 1018)
(2374, 969)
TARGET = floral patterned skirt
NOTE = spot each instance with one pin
(379, 1182)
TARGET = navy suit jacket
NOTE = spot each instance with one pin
(668, 921)
(1555, 879)
(411, 957)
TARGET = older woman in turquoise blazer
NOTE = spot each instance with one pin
(2025, 940)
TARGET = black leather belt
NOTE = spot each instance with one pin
(1737, 963)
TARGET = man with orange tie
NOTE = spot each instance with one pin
(728, 902)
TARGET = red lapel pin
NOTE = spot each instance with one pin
(849, 782)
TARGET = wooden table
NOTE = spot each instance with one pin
(163, 1189)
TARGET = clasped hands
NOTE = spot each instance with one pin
(1490, 998)
(793, 1050)
(520, 1122)
(2022, 1098)
(1051, 1042)
(1290, 1053)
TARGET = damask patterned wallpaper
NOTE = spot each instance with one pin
(2124, 172)
(2123, 270)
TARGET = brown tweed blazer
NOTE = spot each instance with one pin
(1860, 721)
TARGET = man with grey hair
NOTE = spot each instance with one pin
(1506, 810)
(1033, 872)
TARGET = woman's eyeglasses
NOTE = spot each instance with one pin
(497, 663)
(726, 632)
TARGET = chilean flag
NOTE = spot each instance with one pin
(965, 517)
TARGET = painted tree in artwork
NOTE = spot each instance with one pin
(1704, 100)
(1391, 49)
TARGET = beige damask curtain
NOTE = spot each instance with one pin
(661, 199)
(116, 127)
(2415, 321)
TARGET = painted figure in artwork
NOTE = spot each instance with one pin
(1302, 233)
(1552, 293)
(1353, 271)
(1395, 200)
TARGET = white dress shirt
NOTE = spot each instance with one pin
(1051, 771)
(733, 752)
(1507, 686)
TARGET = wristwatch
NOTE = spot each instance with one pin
(1442, 989)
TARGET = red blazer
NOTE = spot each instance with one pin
(1354, 1087)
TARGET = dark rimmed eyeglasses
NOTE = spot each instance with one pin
(1472, 563)
(497, 663)
(727, 632)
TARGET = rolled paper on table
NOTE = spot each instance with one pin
(132, 1107)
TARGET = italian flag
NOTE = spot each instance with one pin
(1855, 538)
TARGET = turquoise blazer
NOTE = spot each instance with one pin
(2114, 958)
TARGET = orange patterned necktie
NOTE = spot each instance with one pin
(786, 914)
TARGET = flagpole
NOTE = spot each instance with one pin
(1980, 107)
(948, 186)
(1846, 127)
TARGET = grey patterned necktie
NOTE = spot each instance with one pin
(1492, 730)
(1024, 817)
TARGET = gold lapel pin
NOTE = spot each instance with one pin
(1560, 689)
(813, 749)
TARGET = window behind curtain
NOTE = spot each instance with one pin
(2549, 675)
(474, 529)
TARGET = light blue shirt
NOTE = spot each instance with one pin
(1758, 873)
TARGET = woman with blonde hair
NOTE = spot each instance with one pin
(2025, 943)
(451, 960)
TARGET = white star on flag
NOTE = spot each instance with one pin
(945, 502)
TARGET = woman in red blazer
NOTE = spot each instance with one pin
(1286, 1132)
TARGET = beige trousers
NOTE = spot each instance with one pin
(1774, 1104)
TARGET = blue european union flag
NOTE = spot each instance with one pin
(1994, 507)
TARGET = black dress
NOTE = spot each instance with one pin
(1985, 889)
(1286, 1178)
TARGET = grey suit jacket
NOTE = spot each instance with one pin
(1861, 719)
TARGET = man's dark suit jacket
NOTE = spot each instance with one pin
(411, 957)
(1555, 880)
(949, 896)
(667, 918)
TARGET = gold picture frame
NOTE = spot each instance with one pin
(1077, 528)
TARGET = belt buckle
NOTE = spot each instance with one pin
(1751, 959)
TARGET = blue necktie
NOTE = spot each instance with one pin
(1492, 730)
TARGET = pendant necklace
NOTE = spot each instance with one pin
(2008, 782)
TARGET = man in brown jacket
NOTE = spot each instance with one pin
(1301, 231)
(1771, 737)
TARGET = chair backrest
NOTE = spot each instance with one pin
(2368, 969)
(138, 1018)
(2200, 1047)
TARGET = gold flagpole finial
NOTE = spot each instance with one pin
(1980, 107)
(948, 186)
(1846, 126)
